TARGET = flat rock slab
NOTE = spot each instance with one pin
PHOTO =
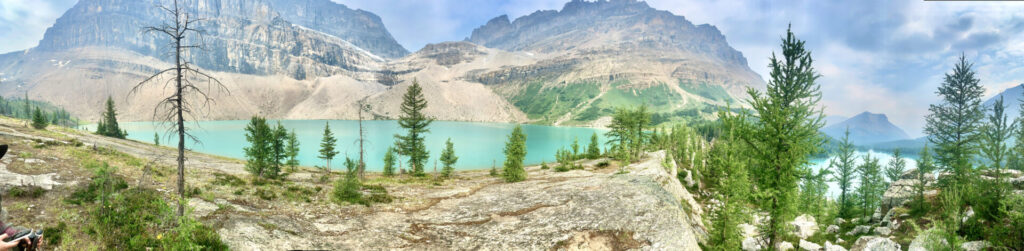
(578, 210)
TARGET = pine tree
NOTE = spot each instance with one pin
(576, 148)
(813, 188)
(416, 123)
(894, 169)
(628, 131)
(953, 125)
(925, 167)
(278, 146)
(782, 133)
(870, 184)
(845, 170)
(733, 194)
(515, 153)
(995, 133)
(292, 150)
(39, 120)
(448, 158)
(108, 126)
(594, 149)
(259, 154)
(389, 162)
(156, 138)
(327, 151)
(346, 189)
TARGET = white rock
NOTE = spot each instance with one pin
(751, 244)
(830, 247)
(748, 230)
(875, 243)
(883, 231)
(809, 246)
(804, 226)
(783, 246)
(974, 245)
(832, 229)
(859, 230)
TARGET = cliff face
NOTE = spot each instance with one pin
(241, 36)
(359, 27)
(625, 24)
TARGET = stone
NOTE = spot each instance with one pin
(874, 243)
(974, 245)
(832, 229)
(804, 226)
(783, 246)
(840, 221)
(751, 244)
(748, 230)
(883, 231)
(840, 241)
(809, 246)
(830, 247)
(862, 229)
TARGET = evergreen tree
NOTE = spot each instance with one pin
(39, 120)
(953, 125)
(733, 194)
(844, 164)
(576, 148)
(782, 133)
(292, 150)
(925, 167)
(346, 189)
(156, 139)
(628, 131)
(871, 184)
(415, 122)
(448, 158)
(260, 153)
(389, 162)
(813, 188)
(278, 146)
(108, 126)
(327, 151)
(992, 193)
(894, 170)
(515, 153)
(593, 150)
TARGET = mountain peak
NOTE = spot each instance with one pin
(866, 128)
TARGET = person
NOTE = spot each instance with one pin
(14, 231)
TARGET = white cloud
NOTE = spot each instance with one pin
(23, 22)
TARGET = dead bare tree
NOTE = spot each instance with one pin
(179, 27)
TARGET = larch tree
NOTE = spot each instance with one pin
(515, 153)
(39, 120)
(448, 159)
(953, 125)
(389, 162)
(415, 122)
(894, 169)
(108, 125)
(844, 168)
(782, 133)
(995, 133)
(292, 150)
(259, 155)
(734, 193)
(594, 149)
(327, 151)
(279, 146)
(925, 167)
(871, 184)
(180, 28)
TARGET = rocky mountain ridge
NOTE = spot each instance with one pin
(314, 59)
(867, 128)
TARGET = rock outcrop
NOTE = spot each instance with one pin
(874, 243)
(804, 226)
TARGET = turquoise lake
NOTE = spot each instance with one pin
(478, 145)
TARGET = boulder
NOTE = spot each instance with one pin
(830, 247)
(840, 241)
(751, 244)
(883, 231)
(862, 229)
(783, 246)
(804, 226)
(840, 221)
(748, 230)
(875, 243)
(809, 246)
(832, 229)
(974, 245)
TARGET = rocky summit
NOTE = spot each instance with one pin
(316, 59)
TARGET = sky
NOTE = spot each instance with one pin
(882, 56)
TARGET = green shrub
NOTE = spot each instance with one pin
(378, 194)
(54, 235)
(346, 189)
(26, 191)
(298, 193)
(103, 183)
(265, 194)
(603, 164)
(223, 179)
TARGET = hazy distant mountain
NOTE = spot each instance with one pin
(315, 59)
(1011, 100)
(866, 128)
(834, 119)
